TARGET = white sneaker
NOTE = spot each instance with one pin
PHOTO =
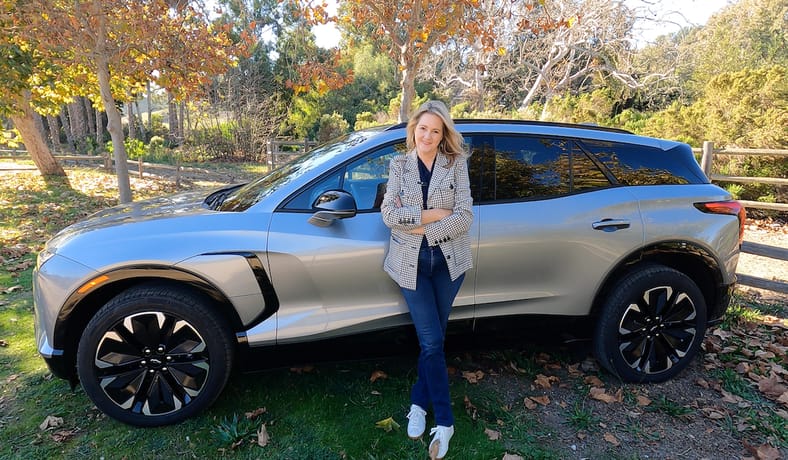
(416, 421)
(440, 442)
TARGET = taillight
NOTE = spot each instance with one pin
(730, 207)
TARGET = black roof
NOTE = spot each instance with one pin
(462, 121)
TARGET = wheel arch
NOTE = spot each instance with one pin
(81, 307)
(695, 261)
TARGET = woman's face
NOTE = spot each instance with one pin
(428, 134)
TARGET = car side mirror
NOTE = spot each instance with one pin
(333, 205)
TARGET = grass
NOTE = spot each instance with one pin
(328, 412)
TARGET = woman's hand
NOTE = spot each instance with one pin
(429, 216)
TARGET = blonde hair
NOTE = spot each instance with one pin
(452, 143)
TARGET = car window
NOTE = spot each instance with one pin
(633, 164)
(251, 193)
(530, 167)
(504, 168)
(365, 178)
(586, 175)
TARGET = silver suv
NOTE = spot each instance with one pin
(150, 305)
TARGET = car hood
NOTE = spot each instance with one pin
(155, 208)
(160, 231)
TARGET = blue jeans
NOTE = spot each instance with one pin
(430, 304)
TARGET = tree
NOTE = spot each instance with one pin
(27, 80)
(408, 30)
(127, 43)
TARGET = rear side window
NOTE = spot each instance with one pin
(633, 164)
(510, 168)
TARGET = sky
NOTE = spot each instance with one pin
(677, 12)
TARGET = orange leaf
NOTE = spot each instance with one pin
(600, 395)
(473, 377)
(378, 375)
(612, 439)
(492, 435)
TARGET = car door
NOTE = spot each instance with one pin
(551, 226)
(330, 280)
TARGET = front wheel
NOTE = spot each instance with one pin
(154, 355)
(651, 326)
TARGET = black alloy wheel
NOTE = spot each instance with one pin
(154, 355)
(652, 325)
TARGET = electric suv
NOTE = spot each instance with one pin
(150, 305)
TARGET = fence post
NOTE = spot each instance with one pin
(708, 155)
(139, 162)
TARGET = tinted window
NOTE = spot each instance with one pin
(633, 164)
(585, 174)
(521, 167)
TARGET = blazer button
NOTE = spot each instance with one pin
(448, 257)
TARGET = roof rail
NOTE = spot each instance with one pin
(462, 121)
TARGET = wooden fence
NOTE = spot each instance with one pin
(708, 152)
(771, 252)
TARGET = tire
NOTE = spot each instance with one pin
(155, 355)
(651, 326)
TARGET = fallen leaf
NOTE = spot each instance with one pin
(514, 367)
(470, 409)
(303, 369)
(594, 381)
(387, 424)
(255, 413)
(772, 387)
(545, 381)
(601, 395)
(612, 439)
(543, 400)
(63, 435)
(376, 393)
(713, 413)
(643, 401)
(473, 377)
(262, 436)
(492, 435)
(14, 288)
(574, 370)
(767, 452)
(378, 375)
(50, 422)
(530, 404)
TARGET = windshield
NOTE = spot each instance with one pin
(246, 196)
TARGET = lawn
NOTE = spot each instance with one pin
(534, 400)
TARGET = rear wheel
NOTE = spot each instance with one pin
(651, 326)
(154, 355)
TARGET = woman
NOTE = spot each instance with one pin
(427, 205)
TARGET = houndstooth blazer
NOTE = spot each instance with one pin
(449, 189)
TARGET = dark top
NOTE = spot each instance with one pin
(425, 175)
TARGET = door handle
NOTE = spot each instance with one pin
(610, 225)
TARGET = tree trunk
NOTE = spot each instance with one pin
(130, 121)
(140, 123)
(150, 108)
(100, 130)
(66, 123)
(181, 117)
(172, 113)
(34, 139)
(115, 128)
(79, 124)
(54, 130)
(408, 85)
(89, 116)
